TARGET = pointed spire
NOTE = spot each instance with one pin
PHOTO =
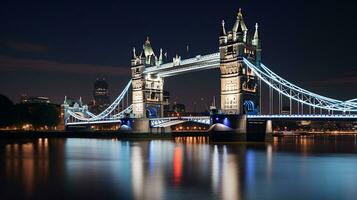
(141, 54)
(148, 51)
(256, 36)
(160, 56)
(65, 99)
(239, 15)
(255, 40)
(134, 53)
(239, 28)
(240, 25)
(223, 32)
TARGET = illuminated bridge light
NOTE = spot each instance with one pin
(77, 115)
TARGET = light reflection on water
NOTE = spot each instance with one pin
(191, 167)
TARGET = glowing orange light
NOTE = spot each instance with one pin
(177, 165)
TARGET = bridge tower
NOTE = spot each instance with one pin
(240, 88)
(147, 89)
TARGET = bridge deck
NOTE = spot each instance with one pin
(312, 117)
(197, 63)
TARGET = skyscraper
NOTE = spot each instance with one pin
(100, 95)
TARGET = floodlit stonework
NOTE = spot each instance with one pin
(239, 85)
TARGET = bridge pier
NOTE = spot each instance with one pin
(228, 128)
(142, 125)
(160, 130)
(269, 127)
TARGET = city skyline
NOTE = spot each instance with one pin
(67, 58)
(178, 100)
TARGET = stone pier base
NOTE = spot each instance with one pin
(228, 128)
(143, 126)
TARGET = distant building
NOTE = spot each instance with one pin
(166, 102)
(178, 107)
(91, 105)
(71, 101)
(177, 110)
(100, 95)
(61, 126)
(41, 99)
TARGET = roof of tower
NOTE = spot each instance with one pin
(148, 51)
(240, 25)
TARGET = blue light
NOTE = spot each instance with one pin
(128, 123)
(250, 166)
(226, 122)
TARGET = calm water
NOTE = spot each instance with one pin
(187, 168)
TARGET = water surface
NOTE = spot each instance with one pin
(185, 168)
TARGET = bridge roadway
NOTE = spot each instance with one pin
(305, 117)
(211, 61)
(197, 63)
(169, 121)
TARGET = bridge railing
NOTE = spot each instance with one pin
(189, 61)
(302, 116)
(107, 115)
(298, 94)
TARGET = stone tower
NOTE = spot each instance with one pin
(240, 88)
(147, 88)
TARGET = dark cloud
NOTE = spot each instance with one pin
(26, 47)
(343, 80)
(8, 63)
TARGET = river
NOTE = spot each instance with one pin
(184, 168)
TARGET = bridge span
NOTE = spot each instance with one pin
(242, 75)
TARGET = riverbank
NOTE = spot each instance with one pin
(94, 134)
(131, 136)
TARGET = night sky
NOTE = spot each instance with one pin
(55, 48)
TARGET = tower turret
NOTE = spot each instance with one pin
(239, 86)
(255, 40)
(257, 44)
(148, 52)
(240, 34)
(160, 58)
(223, 32)
(223, 35)
(134, 53)
(147, 88)
(240, 25)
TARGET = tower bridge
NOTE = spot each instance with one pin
(242, 75)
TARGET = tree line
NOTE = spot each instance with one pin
(36, 114)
